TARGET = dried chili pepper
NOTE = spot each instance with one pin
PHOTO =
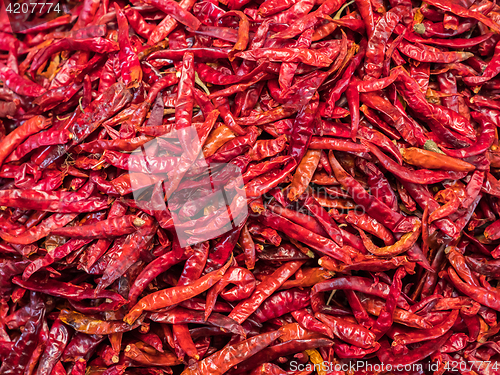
(104, 112)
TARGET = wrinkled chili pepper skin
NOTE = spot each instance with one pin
(376, 208)
(88, 325)
(245, 285)
(277, 304)
(349, 332)
(19, 357)
(13, 139)
(243, 310)
(114, 227)
(377, 41)
(217, 363)
(355, 283)
(169, 297)
(282, 349)
(180, 315)
(57, 341)
(301, 151)
(321, 244)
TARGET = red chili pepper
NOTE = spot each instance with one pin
(129, 63)
(243, 310)
(101, 171)
(376, 43)
(18, 359)
(319, 243)
(348, 332)
(19, 84)
(129, 253)
(167, 297)
(231, 355)
(421, 176)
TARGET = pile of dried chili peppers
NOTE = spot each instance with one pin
(334, 165)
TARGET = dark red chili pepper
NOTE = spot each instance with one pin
(19, 84)
(319, 243)
(484, 141)
(246, 307)
(374, 207)
(130, 67)
(356, 283)
(18, 359)
(378, 39)
(282, 303)
(102, 175)
(348, 332)
(129, 253)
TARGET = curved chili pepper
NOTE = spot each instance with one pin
(307, 237)
(41, 230)
(168, 297)
(246, 307)
(414, 356)
(307, 321)
(324, 219)
(231, 355)
(303, 174)
(374, 207)
(451, 205)
(180, 315)
(421, 176)
(16, 137)
(432, 160)
(129, 253)
(282, 303)
(484, 141)
(264, 183)
(248, 245)
(19, 84)
(402, 245)
(483, 296)
(245, 285)
(181, 333)
(56, 254)
(483, 266)
(375, 306)
(348, 332)
(286, 348)
(381, 33)
(356, 283)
